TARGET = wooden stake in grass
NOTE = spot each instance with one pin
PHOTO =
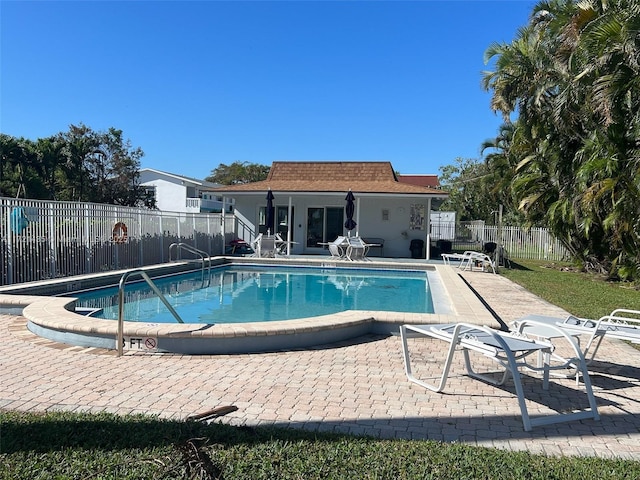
(213, 413)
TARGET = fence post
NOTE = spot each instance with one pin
(53, 242)
(140, 247)
(86, 240)
(541, 253)
(223, 226)
(10, 246)
(161, 237)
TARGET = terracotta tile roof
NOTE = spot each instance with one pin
(422, 180)
(362, 177)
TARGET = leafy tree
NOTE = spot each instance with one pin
(114, 167)
(81, 143)
(50, 154)
(79, 165)
(238, 173)
(21, 168)
(16, 159)
(466, 183)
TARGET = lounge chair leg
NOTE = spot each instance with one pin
(407, 364)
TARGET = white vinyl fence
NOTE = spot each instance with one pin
(42, 239)
(525, 244)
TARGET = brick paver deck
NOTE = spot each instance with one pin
(357, 388)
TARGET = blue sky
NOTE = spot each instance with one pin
(197, 84)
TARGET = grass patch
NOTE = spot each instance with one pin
(61, 445)
(581, 294)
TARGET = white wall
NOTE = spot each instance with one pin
(170, 197)
(395, 230)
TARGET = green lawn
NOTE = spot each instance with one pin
(582, 294)
(82, 446)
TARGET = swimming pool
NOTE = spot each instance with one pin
(243, 294)
(54, 317)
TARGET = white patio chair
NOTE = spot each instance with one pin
(337, 248)
(509, 351)
(356, 249)
(265, 246)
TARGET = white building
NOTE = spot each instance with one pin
(177, 193)
(309, 206)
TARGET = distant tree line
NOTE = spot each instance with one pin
(238, 173)
(78, 165)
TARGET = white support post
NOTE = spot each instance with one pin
(222, 227)
(428, 226)
(289, 227)
(358, 216)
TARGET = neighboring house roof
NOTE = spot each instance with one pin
(331, 177)
(423, 180)
(181, 178)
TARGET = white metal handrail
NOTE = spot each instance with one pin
(202, 254)
(156, 290)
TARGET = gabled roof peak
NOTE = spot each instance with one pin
(332, 177)
(332, 170)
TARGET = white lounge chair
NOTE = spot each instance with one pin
(468, 259)
(508, 350)
(622, 323)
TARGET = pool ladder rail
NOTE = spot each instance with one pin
(202, 254)
(156, 290)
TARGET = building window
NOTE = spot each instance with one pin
(150, 192)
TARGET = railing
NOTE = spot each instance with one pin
(156, 290)
(193, 204)
(41, 240)
(205, 204)
(202, 254)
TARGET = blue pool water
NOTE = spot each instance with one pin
(239, 294)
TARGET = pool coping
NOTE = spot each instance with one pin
(54, 317)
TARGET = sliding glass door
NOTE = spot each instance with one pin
(324, 224)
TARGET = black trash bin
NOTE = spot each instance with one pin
(444, 246)
(417, 247)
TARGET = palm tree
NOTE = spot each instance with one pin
(15, 156)
(501, 163)
(572, 78)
